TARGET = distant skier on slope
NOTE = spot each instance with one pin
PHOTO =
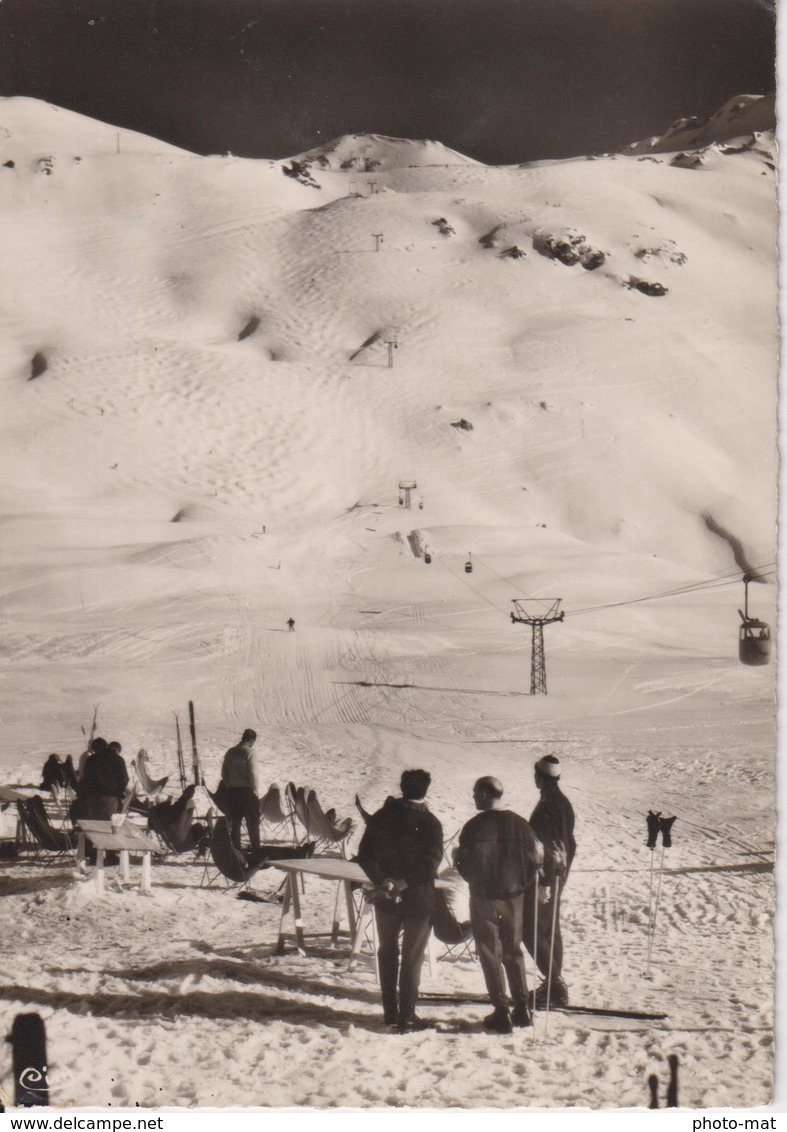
(553, 824)
(291, 625)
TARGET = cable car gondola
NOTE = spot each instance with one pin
(469, 564)
(754, 638)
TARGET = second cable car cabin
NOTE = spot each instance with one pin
(469, 564)
(754, 637)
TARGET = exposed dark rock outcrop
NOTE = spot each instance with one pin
(251, 326)
(300, 172)
(39, 364)
(463, 424)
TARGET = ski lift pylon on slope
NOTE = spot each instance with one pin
(754, 638)
(469, 563)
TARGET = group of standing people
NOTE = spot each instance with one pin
(515, 870)
(100, 779)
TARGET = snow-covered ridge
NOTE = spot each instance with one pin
(368, 153)
(743, 115)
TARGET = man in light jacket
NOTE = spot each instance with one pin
(239, 773)
(499, 855)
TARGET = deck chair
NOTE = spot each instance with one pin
(365, 815)
(175, 826)
(219, 797)
(298, 799)
(456, 936)
(45, 839)
(271, 811)
(453, 933)
(327, 834)
(226, 863)
(150, 786)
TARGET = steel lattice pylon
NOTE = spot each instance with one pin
(537, 621)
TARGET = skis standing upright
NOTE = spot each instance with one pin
(198, 781)
(181, 760)
(93, 729)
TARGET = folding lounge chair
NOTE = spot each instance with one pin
(271, 811)
(175, 825)
(234, 867)
(359, 807)
(45, 838)
(226, 863)
(327, 834)
(298, 799)
(455, 935)
(152, 787)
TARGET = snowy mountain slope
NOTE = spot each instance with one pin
(202, 436)
(212, 340)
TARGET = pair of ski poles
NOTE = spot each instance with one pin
(656, 825)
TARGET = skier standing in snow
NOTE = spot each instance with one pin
(553, 823)
(400, 852)
(499, 855)
(291, 625)
(239, 773)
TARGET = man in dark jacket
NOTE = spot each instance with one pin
(103, 784)
(553, 822)
(239, 773)
(499, 856)
(400, 852)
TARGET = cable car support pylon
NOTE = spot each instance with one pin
(522, 616)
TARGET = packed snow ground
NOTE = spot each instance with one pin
(202, 436)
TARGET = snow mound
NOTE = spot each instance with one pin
(742, 115)
(369, 153)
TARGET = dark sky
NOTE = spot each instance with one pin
(501, 80)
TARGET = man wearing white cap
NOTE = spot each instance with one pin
(552, 822)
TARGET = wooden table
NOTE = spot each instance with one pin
(127, 840)
(346, 874)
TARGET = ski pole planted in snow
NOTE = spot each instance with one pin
(665, 829)
(535, 952)
(672, 1088)
(555, 895)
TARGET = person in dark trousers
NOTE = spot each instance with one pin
(239, 773)
(400, 852)
(499, 856)
(103, 783)
(291, 625)
(553, 822)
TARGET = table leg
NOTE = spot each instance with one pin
(99, 870)
(430, 953)
(285, 907)
(124, 874)
(336, 927)
(348, 896)
(296, 907)
(360, 927)
(145, 885)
